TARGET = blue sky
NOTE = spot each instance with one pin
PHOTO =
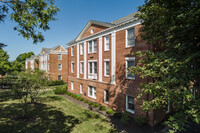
(73, 16)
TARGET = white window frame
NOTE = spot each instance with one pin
(92, 75)
(94, 90)
(59, 56)
(105, 49)
(60, 67)
(81, 49)
(106, 60)
(59, 76)
(126, 60)
(168, 107)
(72, 85)
(72, 51)
(81, 67)
(81, 88)
(72, 70)
(92, 46)
(105, 97)
(127, 37)
(127, 109)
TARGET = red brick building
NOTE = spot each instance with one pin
(53, 61)
(98, 59)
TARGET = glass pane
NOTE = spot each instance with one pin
(90, 67)
(94, 91)
(90, 90)
(107, 68)
(131, 36)
(95, 67)
(95, 45)
(90, 46)
(131, 103)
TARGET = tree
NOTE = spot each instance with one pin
(4, 63)
(19, 64)
(27, 86)
(32, 16)
(172, 28)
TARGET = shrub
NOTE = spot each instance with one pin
(96, 105)
(109, 111)
(91, 103)
(55, 82)
(125, 118)
(78, 97)
(140, 120)
(86, 101)
(102, 108)
(60, 90)
(81, 99)
(68, 93)
(117, 114)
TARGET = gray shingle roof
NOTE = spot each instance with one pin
(126, 18)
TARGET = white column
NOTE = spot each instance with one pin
(100, 58)
(113, 57)
(77, 60)
(85, 60)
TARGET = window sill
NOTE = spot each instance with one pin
(107, 50)
(107, 76)
(129, 46)
(92, 97)
(130, 111)
(130, 78)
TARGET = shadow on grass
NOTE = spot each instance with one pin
(41, 119)
(6, 95)
(50, 98)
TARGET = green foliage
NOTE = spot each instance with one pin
(68, 93)
(109, 111)
(60, 89)
(102, 108)
(117, 115)
(28, 84)
(55, 82)
(22, 57)
(173, 65)
(140, 120)
(125, 118)
(91, 103)
(81, 99)
(95, 105)
(86, 101)
(4, 63)
(32, 16)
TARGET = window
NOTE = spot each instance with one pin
(130, 37)
(167, 106)
(72, 67)
(48, 57)
(81, 88)
(106, 95)
(106, 43)
(92, 46)
(72, 50)
(59, 77)
(81, 49)
(92, 69)
(106, 68)
(92, 92)
(59, 56)
(81, 67)
(72, 86)
(130, 61)
(59, 66)
(130, 104)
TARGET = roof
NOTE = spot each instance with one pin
(126, 18)
(109, 25)
(46, 49)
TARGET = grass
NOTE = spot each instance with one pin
(53, 114)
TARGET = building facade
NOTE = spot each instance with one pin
(53, 61)
(99, 58)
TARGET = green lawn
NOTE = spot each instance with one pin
(54, 114)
